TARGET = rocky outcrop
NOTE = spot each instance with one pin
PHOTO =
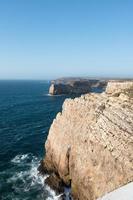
(75, 86)
(90, 144)
(117, 87)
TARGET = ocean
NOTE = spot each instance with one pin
(26, 113)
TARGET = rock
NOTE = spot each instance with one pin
(55, 183)
(90, 144)
(52, 89)
(75, 86)
(117, 87)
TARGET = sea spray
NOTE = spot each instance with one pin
(25, 181)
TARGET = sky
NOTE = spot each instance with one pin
(46, 39)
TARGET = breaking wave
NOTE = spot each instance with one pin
(24, 180)
(25, 117)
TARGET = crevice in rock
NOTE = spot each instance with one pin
(68, 159)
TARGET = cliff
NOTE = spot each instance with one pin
(90, 144)
(117, 87)
(75, 86)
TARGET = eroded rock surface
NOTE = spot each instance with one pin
(75, 86)
(117, 87)
(90, 144)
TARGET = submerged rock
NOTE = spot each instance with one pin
(90, 144)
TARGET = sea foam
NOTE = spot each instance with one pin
(26, 179)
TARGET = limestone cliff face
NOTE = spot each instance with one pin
(116, 87)
(90, 144)
(75, 86)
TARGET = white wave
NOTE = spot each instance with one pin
(28, 176)
(19, 158)
(53, 195)
(30, 173)
(52, 95)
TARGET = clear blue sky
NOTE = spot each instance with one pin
(42, 39)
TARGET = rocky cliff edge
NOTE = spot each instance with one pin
(90, 144)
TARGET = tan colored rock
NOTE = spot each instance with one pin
(90, 144)
(52, 89)
(118, 86)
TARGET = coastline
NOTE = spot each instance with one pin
(66, 145)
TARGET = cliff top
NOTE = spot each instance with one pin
(71, 81)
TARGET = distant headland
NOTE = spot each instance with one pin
(76, 86)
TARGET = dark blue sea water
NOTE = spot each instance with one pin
(26, 113)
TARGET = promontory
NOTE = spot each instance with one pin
(90, 143)
(76, 86)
